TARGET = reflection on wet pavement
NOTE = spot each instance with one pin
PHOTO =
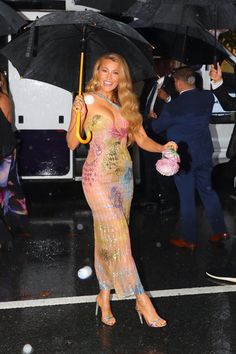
(45, 266)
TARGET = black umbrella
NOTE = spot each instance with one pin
(143, 9)
(107, 6)
(196, 46)
(10, 20)
(52, 49)
(208, 14)
(212, 14)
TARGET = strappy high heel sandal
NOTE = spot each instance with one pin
(157, 323)
(107, 320)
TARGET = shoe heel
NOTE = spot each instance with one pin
(140, 317)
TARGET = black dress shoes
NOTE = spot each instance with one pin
(183, 244)
(219, 237)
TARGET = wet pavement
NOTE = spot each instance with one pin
(45, 304)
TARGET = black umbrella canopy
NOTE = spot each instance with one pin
(107, 6)
(187, 18)
(217, 14)
(10, 20)
(55, 40)
(192, 48)
(212, 14)
(143, 9)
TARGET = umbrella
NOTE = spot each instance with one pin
(10, 20)
(197, 46)
(107, 6)
(143, 9)
(208, 14)
(212, 14)
(52, 49)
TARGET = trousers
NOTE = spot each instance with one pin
(187, 183)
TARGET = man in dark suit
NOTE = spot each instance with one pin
(160, 191)
(226, 271)
(186, 121)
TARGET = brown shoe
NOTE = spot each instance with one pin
(219, 237)
(183, 244)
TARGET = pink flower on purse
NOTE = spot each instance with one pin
(168, 165)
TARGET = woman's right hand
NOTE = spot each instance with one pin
(79, 105)
(171, 145)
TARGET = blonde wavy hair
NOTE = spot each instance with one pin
(123, 94)
(3, 84)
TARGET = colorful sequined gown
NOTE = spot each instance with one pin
(108, 186)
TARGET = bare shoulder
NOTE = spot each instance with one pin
(4, 100)
(5, 105)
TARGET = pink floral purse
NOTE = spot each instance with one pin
(168, 165)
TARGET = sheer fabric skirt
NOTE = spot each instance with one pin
(109, 198)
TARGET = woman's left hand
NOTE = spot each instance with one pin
(171, 145)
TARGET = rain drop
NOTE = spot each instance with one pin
(80, 227)
(85, 272)
(27, 349)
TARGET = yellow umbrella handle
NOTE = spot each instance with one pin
(78, 116)
(77, 131)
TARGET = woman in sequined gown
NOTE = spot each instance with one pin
(109, 109)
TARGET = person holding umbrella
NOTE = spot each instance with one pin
(109, 110)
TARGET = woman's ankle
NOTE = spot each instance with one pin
(103, 296)
(142, 298)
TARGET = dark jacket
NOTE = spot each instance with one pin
(7, 137)
(229, 104)
(186, 120)
(169, 86)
